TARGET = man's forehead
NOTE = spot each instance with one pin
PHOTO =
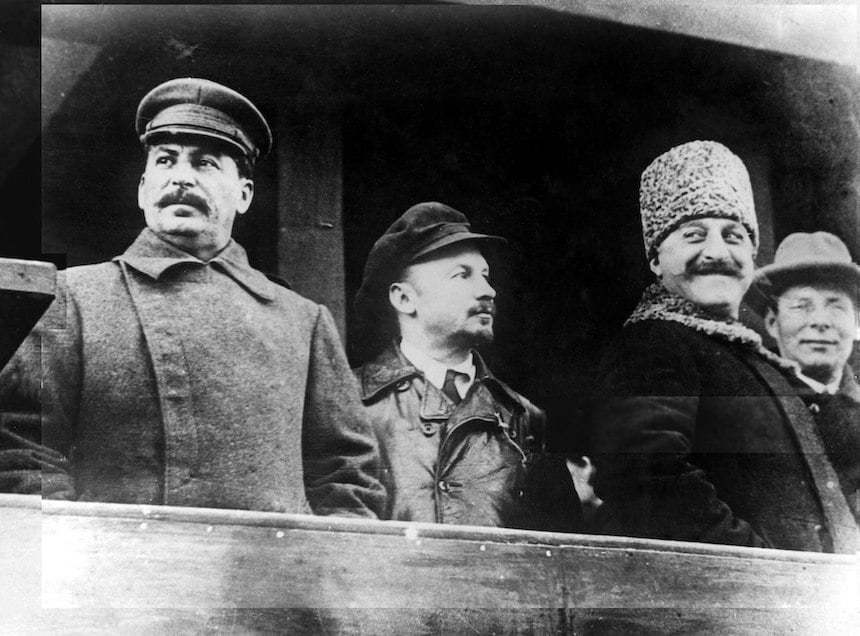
(711, 221)
(192, 145)
(812, 290)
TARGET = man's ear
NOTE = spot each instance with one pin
(140, 193)
(402, 297)
(770, 323)
(654, 264)
(247, 196)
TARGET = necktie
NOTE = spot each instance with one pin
(449, 388)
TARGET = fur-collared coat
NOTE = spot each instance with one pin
(696, 436)
(167, 380)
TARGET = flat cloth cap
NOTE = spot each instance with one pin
(194, 106)
(422, 229)
(694, 180)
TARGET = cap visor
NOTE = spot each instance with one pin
(458, 237)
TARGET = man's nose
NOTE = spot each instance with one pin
(485, 290)
(182, 174)
(819, 317)
(715, 247)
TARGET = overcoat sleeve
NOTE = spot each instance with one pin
(551, 502)
(341, 456)
(649, 388)
(39, 397)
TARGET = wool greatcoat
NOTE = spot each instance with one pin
(167, 380)
(698, 438)
(482, 462)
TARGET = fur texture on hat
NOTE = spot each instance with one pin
(694, 180)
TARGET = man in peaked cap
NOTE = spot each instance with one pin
(698, 435)
(813, 292)
(458, 446)
(176, 373)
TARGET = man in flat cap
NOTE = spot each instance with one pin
(176, 373)
(458, 445)
(698, 433)
(813, 292)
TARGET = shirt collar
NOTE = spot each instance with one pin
(153, 256)
(819, 387)
(435, 371)
(391, 368)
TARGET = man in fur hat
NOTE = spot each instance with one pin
(698, 434)
(813, 289)
(458, 445)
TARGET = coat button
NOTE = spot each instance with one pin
(818, 527)
(443, 485)
(831, 485)
(814, 408)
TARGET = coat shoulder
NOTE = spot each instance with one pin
(296, 303)
(94, 276)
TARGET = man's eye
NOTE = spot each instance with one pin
(159, 161)
(207, 163)
(692, 235)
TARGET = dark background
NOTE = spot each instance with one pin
(534, 123)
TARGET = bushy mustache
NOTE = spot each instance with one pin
(484, 307)
(183, 197)
(725, 268)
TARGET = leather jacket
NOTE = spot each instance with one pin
(481, 462)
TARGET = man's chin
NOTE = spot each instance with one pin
(484, 336)
(180, 227)
(819, 371)
(469, 339)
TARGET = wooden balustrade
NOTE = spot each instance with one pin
(93, 568)
(26, 290)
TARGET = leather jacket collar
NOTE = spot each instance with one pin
(392, 371)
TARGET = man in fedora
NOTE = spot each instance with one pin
(176, 373)
(458, 445)
(698, 434)
(813, 289)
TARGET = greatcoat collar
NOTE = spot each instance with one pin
(153, 256)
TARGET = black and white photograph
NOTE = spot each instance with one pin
(430, 318)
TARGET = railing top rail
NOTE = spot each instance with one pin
(211, 516)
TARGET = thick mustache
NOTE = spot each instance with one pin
(725, 268)
(183, 197)
(484, 307)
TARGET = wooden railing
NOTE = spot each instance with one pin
(94, 568)
(26, 290)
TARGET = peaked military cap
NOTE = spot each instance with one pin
(195, 106)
